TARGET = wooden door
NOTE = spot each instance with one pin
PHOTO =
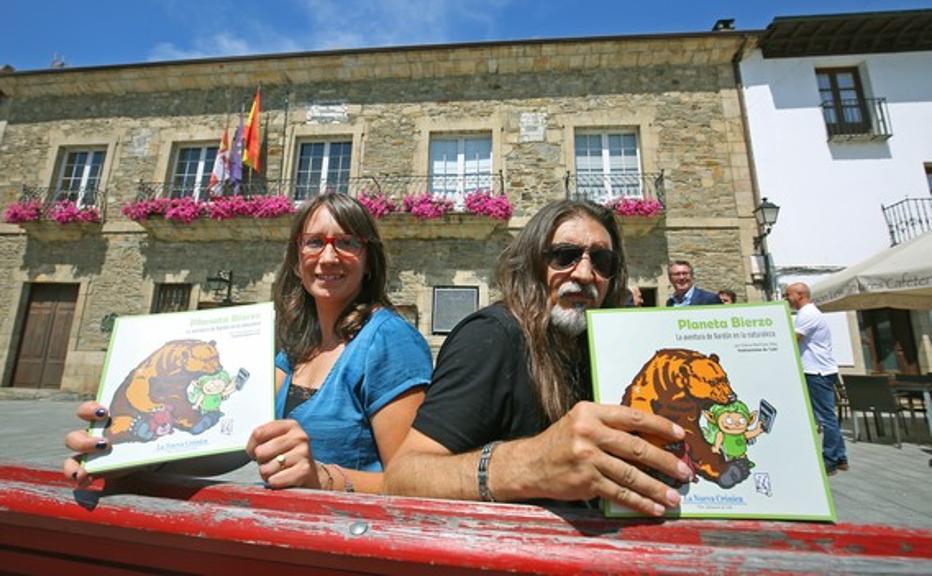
(888, 341)
(44, 339)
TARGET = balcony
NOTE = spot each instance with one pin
(189, 214)
(857, 120)
(55, 215)
(908, 219)
(439, 206)
(638, 199)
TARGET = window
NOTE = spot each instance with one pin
(460, 165)
(608, 165)
(79, 176)
(322, 166)
(843, 103)
(171, 298)
(191, 174)
(929, 177)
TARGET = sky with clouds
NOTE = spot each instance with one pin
(104, 32)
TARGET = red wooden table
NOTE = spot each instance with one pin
(172, 525)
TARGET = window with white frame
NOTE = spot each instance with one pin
(79, 176)
(460, 165)
(608, 165)
(322, 167)
(191, 171)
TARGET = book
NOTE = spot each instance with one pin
(732, 378)
(185, 385)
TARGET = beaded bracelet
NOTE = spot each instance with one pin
(482, 472)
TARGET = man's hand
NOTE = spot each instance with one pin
(593, 451)
(283, 451)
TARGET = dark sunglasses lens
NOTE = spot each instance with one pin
(562, 257)
(605, 262)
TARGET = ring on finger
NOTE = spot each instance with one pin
(281, 460)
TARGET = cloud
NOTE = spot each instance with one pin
(343, 24)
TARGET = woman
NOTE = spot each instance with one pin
(350, 373)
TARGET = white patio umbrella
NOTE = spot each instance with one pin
(899, 277)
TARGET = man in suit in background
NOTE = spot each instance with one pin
(685, 292)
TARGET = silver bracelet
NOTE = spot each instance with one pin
(482, 472)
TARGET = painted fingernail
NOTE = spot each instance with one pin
(100, 412)
(658, 510)
(678, 431)
(74, 475)
(101, 445)
(673, 497)
(685, 472)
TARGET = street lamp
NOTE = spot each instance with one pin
(766, 215)
(223, 279)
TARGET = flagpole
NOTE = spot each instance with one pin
(281, 160)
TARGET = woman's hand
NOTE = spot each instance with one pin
(283, 452)
(82, 443)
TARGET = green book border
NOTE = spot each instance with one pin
(832, 514)
(188, 455)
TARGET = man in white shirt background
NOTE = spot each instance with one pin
(821, 371)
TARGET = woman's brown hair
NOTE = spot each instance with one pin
(297, 328)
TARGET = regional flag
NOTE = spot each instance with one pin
(221, 171)
(251, 134)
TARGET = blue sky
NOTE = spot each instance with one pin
(102, 32)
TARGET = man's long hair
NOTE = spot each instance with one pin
(522, 278)
(297, 328)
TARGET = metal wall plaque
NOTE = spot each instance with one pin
(326, 113)
(452, 304)
(533, 126)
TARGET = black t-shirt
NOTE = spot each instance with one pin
(481, 389)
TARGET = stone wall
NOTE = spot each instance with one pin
(677, 93)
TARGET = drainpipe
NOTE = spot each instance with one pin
(752, 169)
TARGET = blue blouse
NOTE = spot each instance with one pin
(385, 359)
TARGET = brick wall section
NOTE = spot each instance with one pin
(678, 92)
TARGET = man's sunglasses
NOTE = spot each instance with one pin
(563, 256)
(347, 244)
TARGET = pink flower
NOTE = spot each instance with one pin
(426, 205)
(22, 211)
(66, 211)
(635, 206)
(485, 203)
(186, 210)
(377, 204)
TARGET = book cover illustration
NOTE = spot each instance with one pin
(186, 384)
(730, 376)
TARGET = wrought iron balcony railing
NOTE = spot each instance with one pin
(857, 119)
(908, 218)
(603, 188)
(395, 186)
(50, 197)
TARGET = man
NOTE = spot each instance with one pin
(815, 351)
(685, 292)
(507, 416)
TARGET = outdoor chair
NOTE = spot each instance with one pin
(914, 399)
(841, 401)
(872, 394)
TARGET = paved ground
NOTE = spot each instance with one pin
(885, 484)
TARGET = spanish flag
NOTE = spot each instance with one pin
(251, 134)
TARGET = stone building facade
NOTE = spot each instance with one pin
(527, 106)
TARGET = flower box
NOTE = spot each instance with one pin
(405, 226)
(636, 226)
(241, 229)
(54, 232)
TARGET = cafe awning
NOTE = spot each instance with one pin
(899, 277)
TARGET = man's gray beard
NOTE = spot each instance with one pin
(570, 321)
